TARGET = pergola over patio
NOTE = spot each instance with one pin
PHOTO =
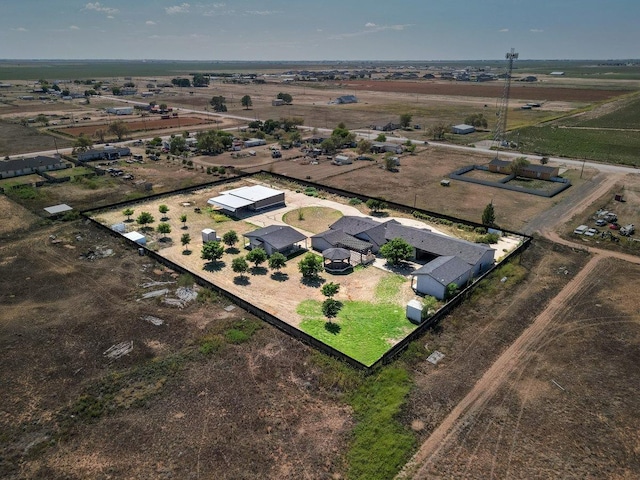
(336, 259)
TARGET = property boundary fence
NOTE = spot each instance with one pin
(502, 183)
(392, 353)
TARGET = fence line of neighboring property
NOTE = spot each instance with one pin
(282, 325)
(502, 183)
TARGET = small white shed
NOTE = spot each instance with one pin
(136, 237)
(209, 235)
(463, 129)
(414, 311)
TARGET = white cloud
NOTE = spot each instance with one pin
(184, 8)
(19, 29)
(369, 24)
(111, 17)
(150, 22)
(261, 12)
(371, 28)
(74, 27)
(536, 30)
(97, 7)
(503, 30)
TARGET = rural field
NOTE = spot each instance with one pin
(105, 378)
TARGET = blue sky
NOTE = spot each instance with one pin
(319, 30)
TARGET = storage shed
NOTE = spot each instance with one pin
(209, 235)
(414, 311)
(136, 237)
(433, 278)
(463, 129)
(257, 197)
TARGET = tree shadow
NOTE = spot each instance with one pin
(332, 328)
(380, 214)
(314, 282)
(258, 271)
(280, 277)
(165, 240)
(187, 252)
(128, 220)
(164, 219)
(241, 280)
(184, 227)
(214, 266)
(232, 250)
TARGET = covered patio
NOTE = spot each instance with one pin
(336, 259)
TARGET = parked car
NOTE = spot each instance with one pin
(614, 226)
(591, 232)
(601, 223)
(581, 229)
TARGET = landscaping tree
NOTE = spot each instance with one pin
(488, 215)
(163, 209)
(518, 165)
(330, 289)
(451, 290)
(364, 146)
(218, 103)
(246, 102)
(164, 229)
(277, 261)
(145, 218)
(200, 80)
(230, 238)
(310, 266)
(396, 251)
(285, 97)
(477, 120)
(438, 130)
(212, 251)
(183, 219)
(390, 164)
(381, 138)
(331, 307)
(405, 120)
(127, 212)
(257, 256)
(544, 160)
(185, 239)
(376, 205)
(82, 143)
(119, 129)
(177, 145)
(240, 266)
(42, 119)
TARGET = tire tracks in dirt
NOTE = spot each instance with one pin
(508, 362)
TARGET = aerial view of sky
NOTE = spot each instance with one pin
(319, 30)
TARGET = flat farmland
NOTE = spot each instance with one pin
(16, 139)
(151, 123)
(486, 89)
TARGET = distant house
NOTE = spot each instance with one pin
(342, 160)
(26, 166)
(120, 110)
(107, 153)
(542, 172)
(429, 76)
(557, 74)
(385, 126)
(276, 238)
(254, 142)
(346, 99)
(379, 147)
(529, 78)
(277, 102)
(434, 277)
(463, 129)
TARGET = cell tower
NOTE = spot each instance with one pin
(501, 125)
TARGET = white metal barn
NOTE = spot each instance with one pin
(257, 197)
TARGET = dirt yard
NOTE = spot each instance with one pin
(567, 410)
(173, 413)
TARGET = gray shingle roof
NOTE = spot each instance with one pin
(444, 269)
(34, 162)
(437, 244)
(354, 225)
(278, 236)
(338, 238)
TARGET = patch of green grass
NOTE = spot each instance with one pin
(366, 329)
(628, 116)
(242, 331)
(388, 288)
(210, 344)
(25, 192)
(380, 444)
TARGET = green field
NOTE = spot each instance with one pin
(610, 146)
(625, 117)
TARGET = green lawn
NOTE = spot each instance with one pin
(367, 329)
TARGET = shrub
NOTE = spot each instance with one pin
(355, 201)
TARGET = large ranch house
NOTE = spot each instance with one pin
(445, 259)
(25, 166)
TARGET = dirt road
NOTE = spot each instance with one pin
(500, 372)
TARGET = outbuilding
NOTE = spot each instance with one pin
(276, 238)
(463, 129)
(434, 277)
(136, 237)
(257, 197)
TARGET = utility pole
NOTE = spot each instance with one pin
(501, 124)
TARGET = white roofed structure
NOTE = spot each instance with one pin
(252, 198)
